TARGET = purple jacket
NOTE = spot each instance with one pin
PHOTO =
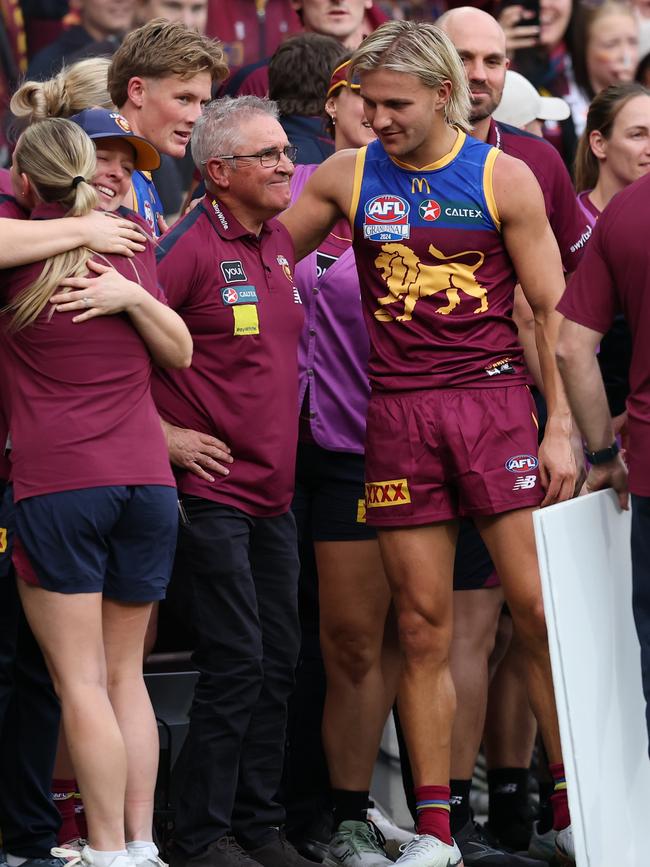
(333, 349)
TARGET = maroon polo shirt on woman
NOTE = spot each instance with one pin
(9, 208)
(235, 292)
(570, 227)
(614, 277)
(78, 395)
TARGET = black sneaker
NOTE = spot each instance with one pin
(477, 849)
(224, 852)
(278, 852)
(312, 840)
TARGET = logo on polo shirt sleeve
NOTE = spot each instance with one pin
(394, 492)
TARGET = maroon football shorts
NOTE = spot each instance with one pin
(438, 454)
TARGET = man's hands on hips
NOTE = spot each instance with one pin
(196, 452)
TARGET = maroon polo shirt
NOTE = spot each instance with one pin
(10, 208)
(235, 292)
(570, 227)
(79, 400)
(613, 277)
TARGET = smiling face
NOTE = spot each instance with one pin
(612, 50)
(625, 156)
(351, 127)
(103, 18)
(402, 113)
(481, 45)
(554, 17)
(342, 19)
(192, 13)
(115, 165)
(164, 110)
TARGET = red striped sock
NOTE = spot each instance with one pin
(559, 800)
(432, 804)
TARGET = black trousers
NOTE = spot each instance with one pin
(29, 723)
(641, 588)
(240, 574)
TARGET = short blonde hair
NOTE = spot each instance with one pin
(76, 87)
(422, 50)
(160, 48)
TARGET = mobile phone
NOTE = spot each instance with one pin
(531, 6)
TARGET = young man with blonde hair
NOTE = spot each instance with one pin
(441, 229)
(160, 78)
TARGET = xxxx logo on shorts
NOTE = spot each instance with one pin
(394, 492)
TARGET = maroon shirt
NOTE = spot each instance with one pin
(9, 208)
(613, 277)
(436, 279)
(235, 292)
(79, 401)
(251, 30)
(571, 229)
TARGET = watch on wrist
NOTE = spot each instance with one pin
(602, 456)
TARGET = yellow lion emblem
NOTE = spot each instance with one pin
(409, 279)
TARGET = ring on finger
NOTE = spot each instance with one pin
(87, 301)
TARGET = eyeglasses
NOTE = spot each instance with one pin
(268, 158)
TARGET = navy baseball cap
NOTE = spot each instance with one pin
(100, 123)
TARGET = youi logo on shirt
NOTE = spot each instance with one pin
(233, 271)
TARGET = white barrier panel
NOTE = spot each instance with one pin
(584, 555)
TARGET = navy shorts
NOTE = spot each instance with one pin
(330, 489)
(115, 540)
(6, 528)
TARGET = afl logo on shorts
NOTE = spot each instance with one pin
(386, 219)
(429, 210)
(122, 122)
(521, 462)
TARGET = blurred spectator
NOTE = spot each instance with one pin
(192, 13)
(43, 22)
(522, 106)
(103, 23)
(605, 50)
(299, 75)
(412, 10)
(348, 22)
(13, 63)
(251, 29)
(643, 71)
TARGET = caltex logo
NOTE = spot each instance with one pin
(429, 210)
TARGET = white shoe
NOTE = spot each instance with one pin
(564, 848)
(84, 858)
(388, 828)
(542, 846)
(356, 844)
(425, 850)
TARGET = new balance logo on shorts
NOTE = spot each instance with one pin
(394, 492)
(524, 483)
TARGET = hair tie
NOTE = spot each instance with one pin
(76, 181)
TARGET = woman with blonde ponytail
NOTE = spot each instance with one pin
(95, 501)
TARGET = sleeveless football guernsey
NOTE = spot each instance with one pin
(437, 282)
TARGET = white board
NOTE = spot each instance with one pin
(584, 556)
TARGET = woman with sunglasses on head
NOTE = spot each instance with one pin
(95, 498)
(347, 576)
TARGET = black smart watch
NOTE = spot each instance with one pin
(603, 456)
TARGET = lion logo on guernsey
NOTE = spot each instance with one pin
(394, 492)
(386, 219)
(410, 280)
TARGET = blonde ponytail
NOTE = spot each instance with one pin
(55, 154)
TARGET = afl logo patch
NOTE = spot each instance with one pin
(521, 462)
(121, 121)
(386, 219)
(429, 210)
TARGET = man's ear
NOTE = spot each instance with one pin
(218, 173)
(135, 91)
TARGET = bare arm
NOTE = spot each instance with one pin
(25, 241)
(324, 199)
(534, 252)
(161, 328)
(576, 356)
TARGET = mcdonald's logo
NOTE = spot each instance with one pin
(421, 184)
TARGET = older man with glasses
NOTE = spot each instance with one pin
(232, 423)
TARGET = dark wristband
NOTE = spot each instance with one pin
(603, 456)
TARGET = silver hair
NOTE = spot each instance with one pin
(217, 130)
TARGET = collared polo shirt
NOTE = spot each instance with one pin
(236, 293)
